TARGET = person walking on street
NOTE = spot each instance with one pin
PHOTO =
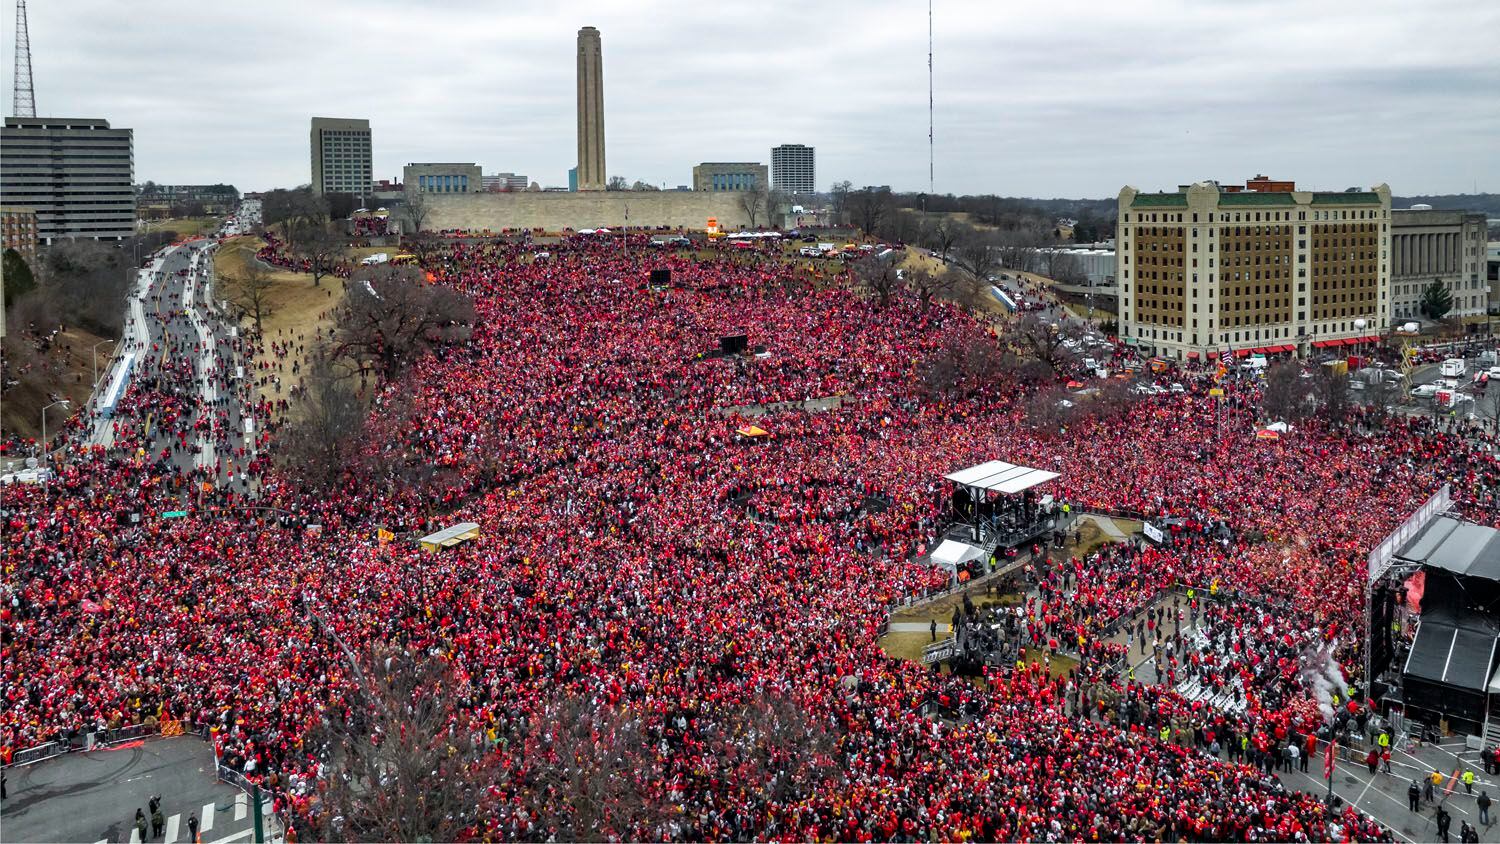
(933, 628)
(1413, 797)
(1444, 820)
(193, 827)
(1468, 781)
(158, 823)
(140, 823)
(1483, 802)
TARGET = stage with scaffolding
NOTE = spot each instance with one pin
(994, 509)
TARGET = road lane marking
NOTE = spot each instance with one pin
(241, 806)
(172, 823)
(207, 817)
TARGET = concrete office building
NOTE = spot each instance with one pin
(591, 173)
(792, 169)
(720, 175)
(443, 177)
(1202, 269)
(18, 231)
(505, 182)
(341, 159)
(76, 174)
(1443, 246)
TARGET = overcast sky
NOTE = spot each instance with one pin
(1032, 99)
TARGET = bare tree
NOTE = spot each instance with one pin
(617, 183)
(752, 202)
(1065, 269)
(938, 284)
(878, 276)
(591, 770)
(322, 247)
(1332, 390)
(1052, 409)
(778, 205)
(868, 206)
(390, 316)
(323, 441)
(1286, 394)
(1037, 339)
(940, 236)
(85, 282)
(249, 290)
(977, 254)
(639, 185)
(402, 764)
(838, 196)
(415, 208)
(1017, 251)
(1488, 405)
(1382, 394)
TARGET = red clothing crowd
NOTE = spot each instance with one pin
(636, 550)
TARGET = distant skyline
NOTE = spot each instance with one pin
(1031, 100)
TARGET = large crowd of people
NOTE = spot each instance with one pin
(637, 551)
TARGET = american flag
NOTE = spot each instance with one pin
(1226, 357)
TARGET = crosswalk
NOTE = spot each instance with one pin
(218, 823)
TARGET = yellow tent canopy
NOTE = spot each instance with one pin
(753, 431)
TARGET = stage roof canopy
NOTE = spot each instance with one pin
(1452, 652)
(1461, 547)
(999, 476)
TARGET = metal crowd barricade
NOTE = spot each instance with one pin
(37, 753)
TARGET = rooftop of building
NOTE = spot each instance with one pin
(1259, 192)
(56, 123)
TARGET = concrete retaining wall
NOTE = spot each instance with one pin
(586, 210)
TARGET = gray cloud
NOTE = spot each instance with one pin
(1032, 99)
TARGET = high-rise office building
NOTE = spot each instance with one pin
(78, 175)
(792, 169)
(341, 160)
(591, 174)
(1260, 268)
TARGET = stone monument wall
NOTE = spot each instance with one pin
(555, 211)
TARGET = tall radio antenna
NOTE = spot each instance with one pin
(929, 100)
(23, 101)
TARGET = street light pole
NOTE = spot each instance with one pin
(95, 353)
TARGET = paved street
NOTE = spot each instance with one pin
(92, 797)
(183, 346)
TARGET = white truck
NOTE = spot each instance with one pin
(1452, 368)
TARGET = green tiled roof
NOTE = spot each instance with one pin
(1257, 199)
(1357, 198)
(1159, 200)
